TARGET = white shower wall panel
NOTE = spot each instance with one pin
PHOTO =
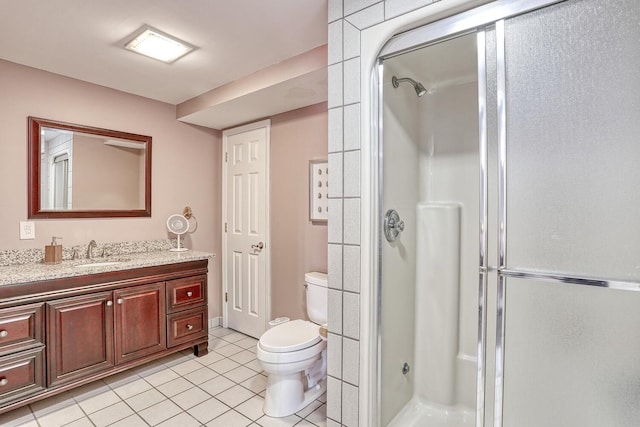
(400, 191)
(449, 169)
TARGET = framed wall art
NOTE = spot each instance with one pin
(318, 190)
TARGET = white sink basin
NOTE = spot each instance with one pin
(100, 264)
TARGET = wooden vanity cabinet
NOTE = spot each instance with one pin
(22, 361)
(79, 337)
(140, 321)
(62, 333)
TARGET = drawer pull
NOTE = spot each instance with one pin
(119, 300)
(3, 333)
(109, 303)
(189, 326)
(189, 293)
(4, 382)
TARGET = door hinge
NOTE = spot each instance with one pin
(225, 297)
(225, 227)
(226, 157)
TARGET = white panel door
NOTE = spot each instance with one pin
(246, 210)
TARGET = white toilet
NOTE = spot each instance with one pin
(293, 355)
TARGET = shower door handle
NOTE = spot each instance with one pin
(392, 225)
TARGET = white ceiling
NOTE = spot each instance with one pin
(234, 38)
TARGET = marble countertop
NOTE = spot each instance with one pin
(33, 272)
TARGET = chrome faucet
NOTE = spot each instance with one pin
(92, 244)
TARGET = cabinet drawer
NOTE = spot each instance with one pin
(21, 374)
(186, 326)
(186, 293)
(21, 327)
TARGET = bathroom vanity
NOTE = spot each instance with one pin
(81, 324)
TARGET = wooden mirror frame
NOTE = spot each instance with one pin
(33, 194)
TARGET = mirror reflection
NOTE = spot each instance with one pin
(88, 172)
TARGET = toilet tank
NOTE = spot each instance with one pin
(316, 284)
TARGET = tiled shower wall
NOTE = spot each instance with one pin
(347, 18)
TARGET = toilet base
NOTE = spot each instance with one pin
(285, 394)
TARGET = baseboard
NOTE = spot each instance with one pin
(214, 322)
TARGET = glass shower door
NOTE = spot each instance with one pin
(569, 214)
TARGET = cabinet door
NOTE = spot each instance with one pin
(79, 337)
(140, 322)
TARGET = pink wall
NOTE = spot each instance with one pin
(297, 245)
(185, 170)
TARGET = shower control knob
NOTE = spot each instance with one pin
(392, 225)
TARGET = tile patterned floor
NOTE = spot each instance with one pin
(225, 388)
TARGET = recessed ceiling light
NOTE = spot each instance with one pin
(158, 45)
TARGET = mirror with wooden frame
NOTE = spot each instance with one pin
(86, 172)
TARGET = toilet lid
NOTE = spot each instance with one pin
(290, 336)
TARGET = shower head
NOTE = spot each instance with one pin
(420, 90)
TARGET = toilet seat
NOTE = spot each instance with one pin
(290, 336)
(291, 342)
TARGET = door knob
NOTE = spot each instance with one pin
(259, 246)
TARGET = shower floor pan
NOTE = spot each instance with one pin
(421, 413)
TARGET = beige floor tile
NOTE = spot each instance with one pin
(230, 419)
(229, 350)
(17, 417)
(257, 383)
(254, 365)
(127, 390)
(234, 396)
(161, 377)
(279, 422)
(244, 356)
(240, 374)
(131, 421)
(93, 403)
(176, 359)
(190, 398)
(252, 408)
(61, 416)
(246, 342)
(319, 416)
(208, 410)
(174, 387)
(201, 375)
(82, 422)
(160, 412)
(211, 357)
(145, 399)
(186, 367)
(120, 379)
(110, 415)
(225, 365)
(304, 412)
(221, 332)
(181, 420)
(233, 337)
(217, 385)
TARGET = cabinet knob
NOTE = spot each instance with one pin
(189, 293)
(4, 382)
(3, 333)
(109, 303)
(189, 326)
(119, 300)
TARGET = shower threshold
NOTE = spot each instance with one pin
(421, 413)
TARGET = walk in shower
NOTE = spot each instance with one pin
(507, 181)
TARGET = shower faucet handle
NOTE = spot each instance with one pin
(393, 225)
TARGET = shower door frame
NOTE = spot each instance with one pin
(474, 20)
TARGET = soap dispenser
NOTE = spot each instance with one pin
(53, 252)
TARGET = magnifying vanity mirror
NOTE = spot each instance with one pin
(86, 172)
